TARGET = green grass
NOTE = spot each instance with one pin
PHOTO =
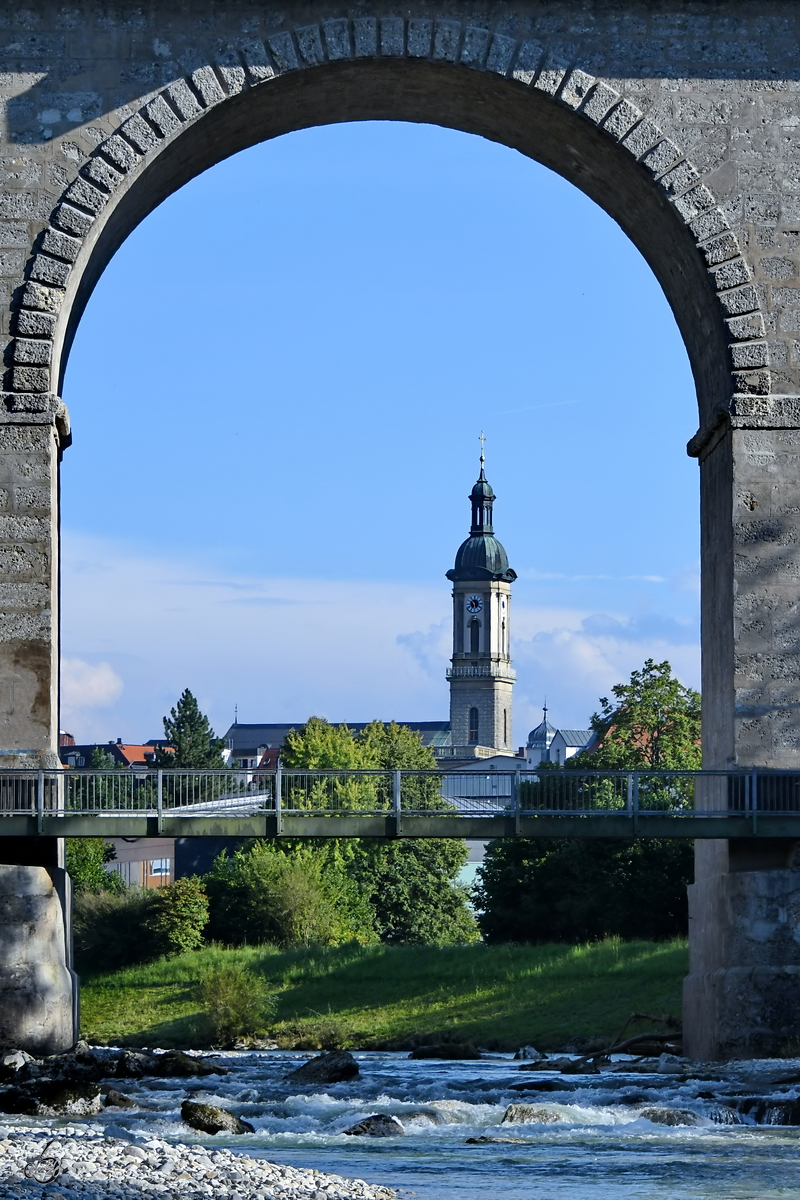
(499, 997)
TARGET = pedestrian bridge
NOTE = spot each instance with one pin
(399, 803)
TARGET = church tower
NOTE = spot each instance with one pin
(481, 677)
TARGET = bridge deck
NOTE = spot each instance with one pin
(408, 804)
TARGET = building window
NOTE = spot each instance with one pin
(503, 639)
(160, 866)
(473, 724)
(505, 727)
(474, 636)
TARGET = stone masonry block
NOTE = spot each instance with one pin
(393, 39)
(283, 52)
(22, 205)
(601, 100)
(751, 326)
(476, 44)
(309, 43)
(72, 220)
(43, 299)
(183, 100)
(622, 119)
(162, 116)
(35, 352)
(786, 297)
(208, 88)
(709, 223)
(33, 496)
(60, 245)
(529, 56)
(17, 528)
(257, 64)
(137, 131)
(693, 202)
(755, 382)
(50, 270)
(420, 37)
(641, 137)
(501, 54)
(554, 68)
(739, 300)
(663, 156)
(446, 36)
(365, 37)
(721, 249)
(231, 72)
(337, 38)
(747, 355)
(577, 87)
(30, 379)
(102, 173)
(84, 194)
(35, 324)
(680, 178)
(731, 274)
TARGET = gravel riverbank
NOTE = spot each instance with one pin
(92, 1165)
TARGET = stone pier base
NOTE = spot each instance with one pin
(38, 989)
(741, 998)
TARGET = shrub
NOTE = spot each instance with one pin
(290, 899)
(237, 1001)
(85, 861)
(111, 931)
(178, 915)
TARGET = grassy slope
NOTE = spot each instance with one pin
(497, 996)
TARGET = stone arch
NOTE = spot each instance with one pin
(528, 93)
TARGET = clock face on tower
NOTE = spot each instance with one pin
(474, 604)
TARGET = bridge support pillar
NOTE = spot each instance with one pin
(38, 988)
(740, 997)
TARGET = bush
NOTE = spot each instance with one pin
(111, 931)
(298, 898)
(178, 915)
(237, 1001)
(85, 861)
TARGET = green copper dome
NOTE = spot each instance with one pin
(482, 556)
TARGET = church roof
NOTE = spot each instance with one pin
(543, 733)
(576, 737)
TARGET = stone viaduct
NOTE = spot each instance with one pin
(681, 119)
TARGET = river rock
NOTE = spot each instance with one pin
(669, 1116)
(433, 1115)
(379, 1125)
(528, 1114)
(174, 1063)
(670, 1064)
(210, 1119)
(483, 1141)
(134, 1064)
(115, 1099)
(529, 1054)
(334, 1067)
(543, 1085)
(52, 1098)
(448, 1050)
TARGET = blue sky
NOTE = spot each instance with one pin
(277, 390)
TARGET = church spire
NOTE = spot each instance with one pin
(482, 500)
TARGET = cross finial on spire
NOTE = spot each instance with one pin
(482, 440)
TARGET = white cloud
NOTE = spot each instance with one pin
(85, 687)
(284, 648)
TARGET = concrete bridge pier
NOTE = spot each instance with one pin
(741, 995)
(38, 988)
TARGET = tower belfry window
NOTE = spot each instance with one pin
(473, 725)
(474, 636)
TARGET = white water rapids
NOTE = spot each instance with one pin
(590, 1140)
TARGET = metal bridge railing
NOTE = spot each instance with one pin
(337, 793)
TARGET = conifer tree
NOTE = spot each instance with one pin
(189, 733)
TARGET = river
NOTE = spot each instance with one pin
(590, 1141)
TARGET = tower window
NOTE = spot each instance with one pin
(473, 724)
(505, 727)
(503, 638)
(474, 636)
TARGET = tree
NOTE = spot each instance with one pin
(411, 886)
(85, 861)
(178, 916)
(540, 890)
(654, 724)
(191, 737)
